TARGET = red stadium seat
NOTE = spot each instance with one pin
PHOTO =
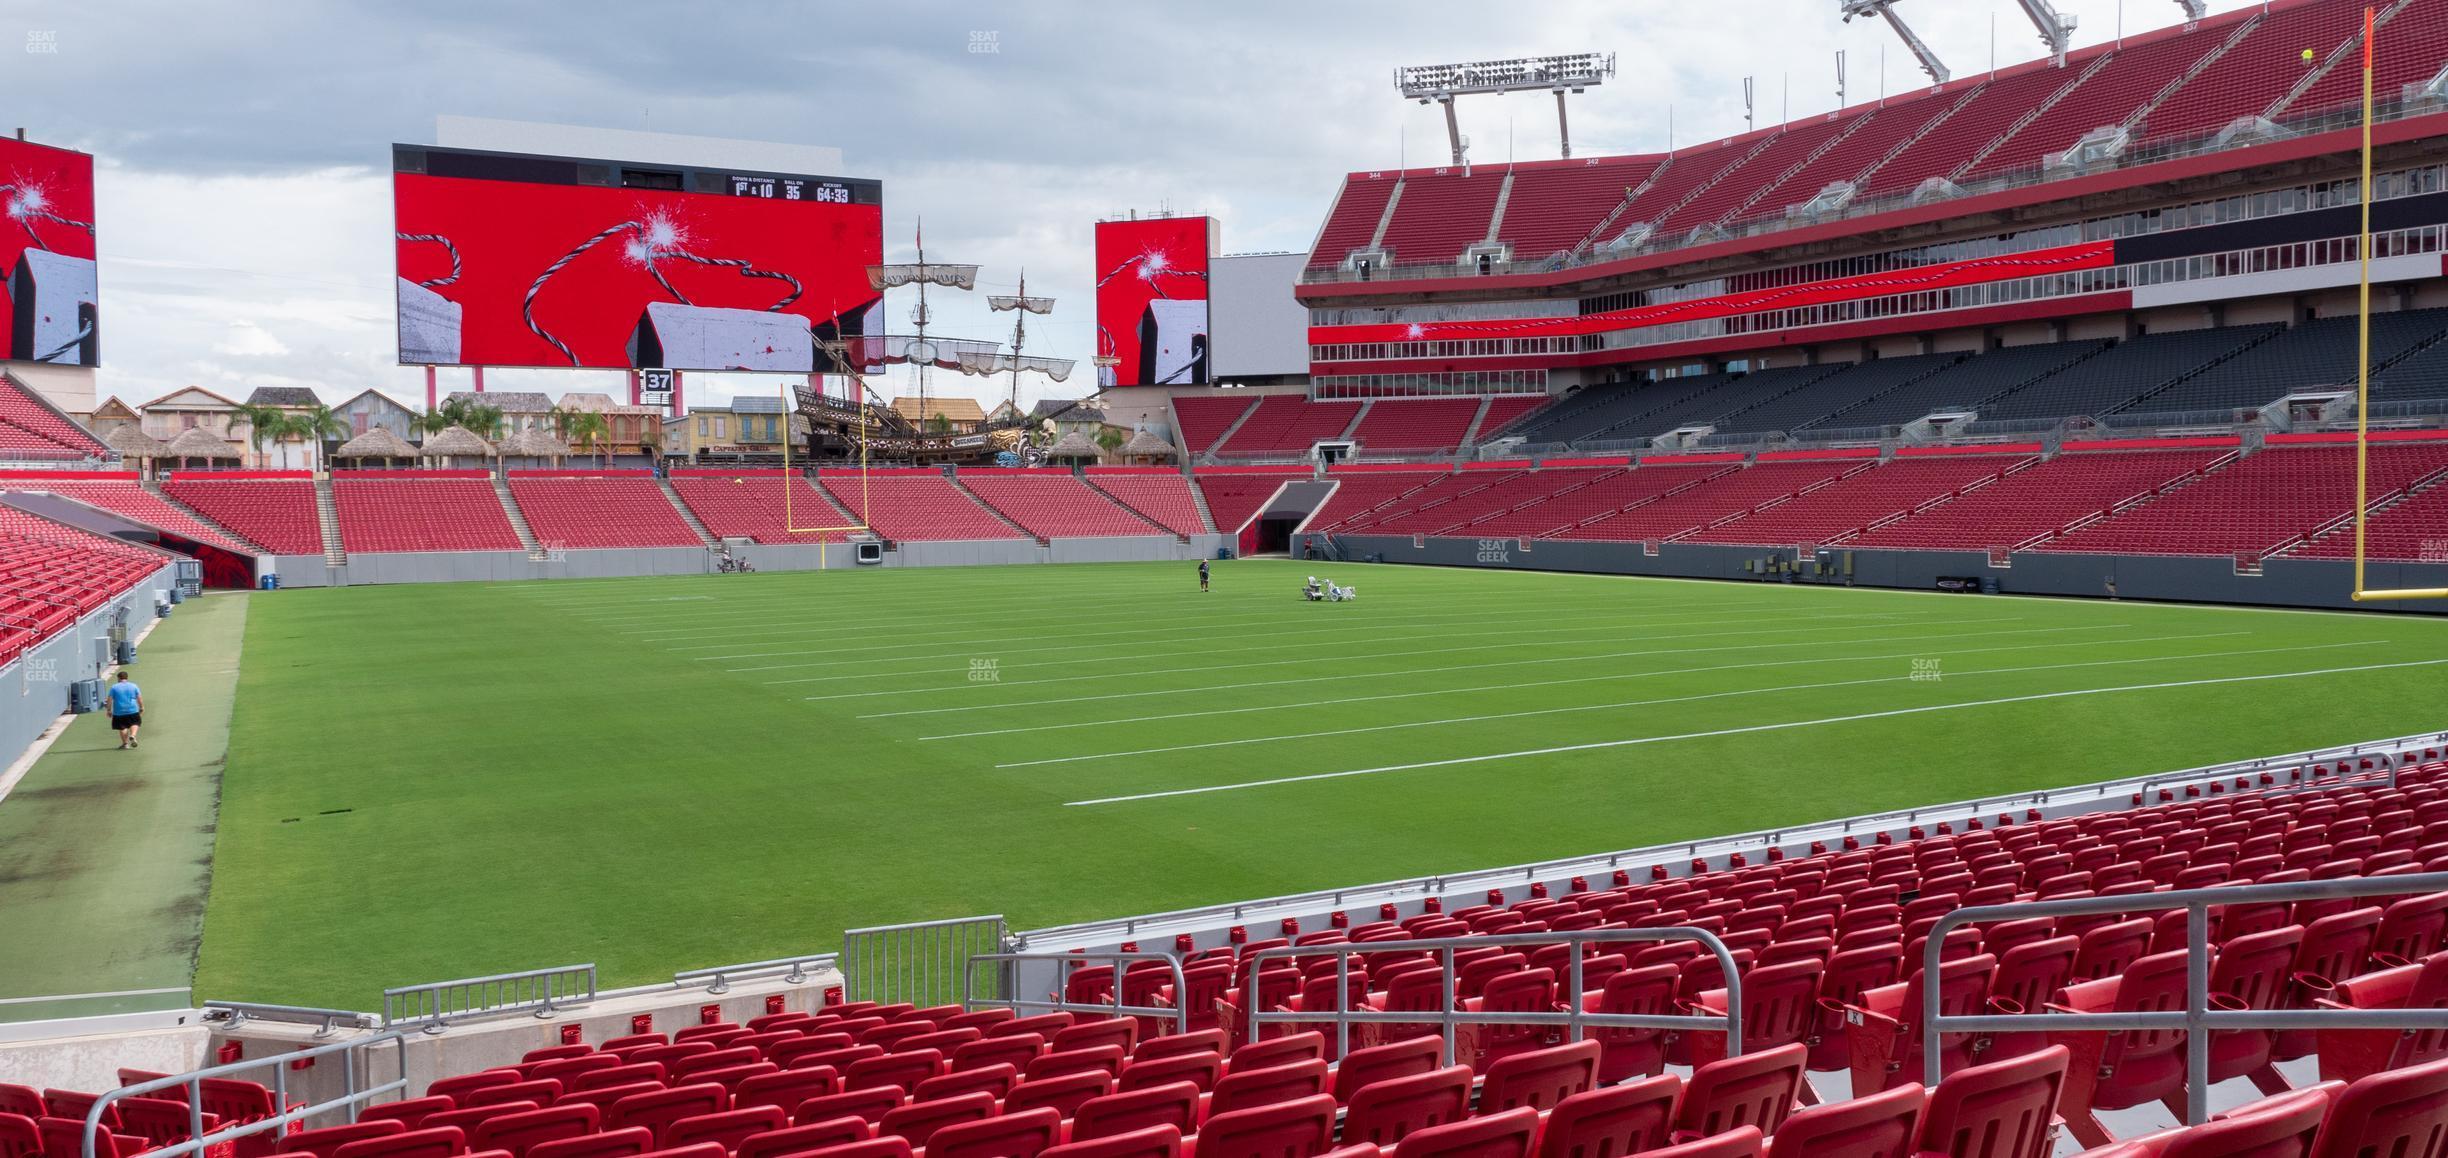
(1301, 1128)
(1242, 1089)
(517, 1133)
(1176, 1105)
(1022, 1135)
(1540, 1079)
(318, 1141)
(1611, 1121)
(729, 1127)
(1752, 1090)
(1064, 1093)
(918, 1121)
(1153, 1142)
(608, 1144)
(1874, 1126)
(657, 1111)
(803, 1138)
(1386, 1111)
(428, 1142)
(1505, 1134)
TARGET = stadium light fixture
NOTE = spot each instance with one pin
(1571, 72)
(1885, 9)
(2056, 29)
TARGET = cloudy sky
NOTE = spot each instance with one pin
(242, 147)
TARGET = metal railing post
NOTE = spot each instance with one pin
(198, 1142)
(2198, 1021)
(1119, 1007)
(2197, 1013)
(1445, 1005)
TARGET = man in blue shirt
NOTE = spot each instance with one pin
(127, 710)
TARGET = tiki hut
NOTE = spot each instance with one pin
(1144, 447)
(1074, 447)
(376, 447)
(536, 446)
(196, 444)
(134, 445)
(457, 442)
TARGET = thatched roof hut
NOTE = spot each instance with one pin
(457, 442)
(1074, 446)
(533, 443)
(196, 442)
(376, 443)
(1144, 444)
(132, 442)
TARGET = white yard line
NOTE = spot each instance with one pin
(1307, 641)
(1693, 698)
(1442, 668)
(1189, 629)
(1747, 729)
(1312, 659)
(1917, 653)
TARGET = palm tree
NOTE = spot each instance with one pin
(319, 425)
(484, 421)
(585, 429)
(262, 422)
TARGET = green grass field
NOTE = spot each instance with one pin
(437, 781)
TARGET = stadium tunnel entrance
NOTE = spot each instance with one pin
(1270, 531)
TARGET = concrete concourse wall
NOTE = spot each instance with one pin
(2312, 583)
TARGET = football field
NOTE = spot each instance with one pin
(653, 774)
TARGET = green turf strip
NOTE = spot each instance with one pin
(105, 855)
(654, 774)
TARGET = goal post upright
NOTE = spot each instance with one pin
(2363, 255)
(790, 522)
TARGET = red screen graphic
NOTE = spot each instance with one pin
(48, 307)
(582, 275)
(1152, 301)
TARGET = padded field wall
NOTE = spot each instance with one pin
(2310, 583)
(366, 568)
(34, 688)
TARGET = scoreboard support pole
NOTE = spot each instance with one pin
(432, 391)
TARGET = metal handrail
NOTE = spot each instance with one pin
(898, 962)
(435, 1004)
(792, 970)
(280, 1064)
(2197, 1018)
(1574, 1018)
(1180, 1013)
(329, 1021)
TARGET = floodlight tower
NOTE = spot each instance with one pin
(922, 274)
(1930, 63)
(1020, 306)
(2056, 30)
(1441, 83)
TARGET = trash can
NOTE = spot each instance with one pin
(269, 582)
(84, 696)
(125, 652)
